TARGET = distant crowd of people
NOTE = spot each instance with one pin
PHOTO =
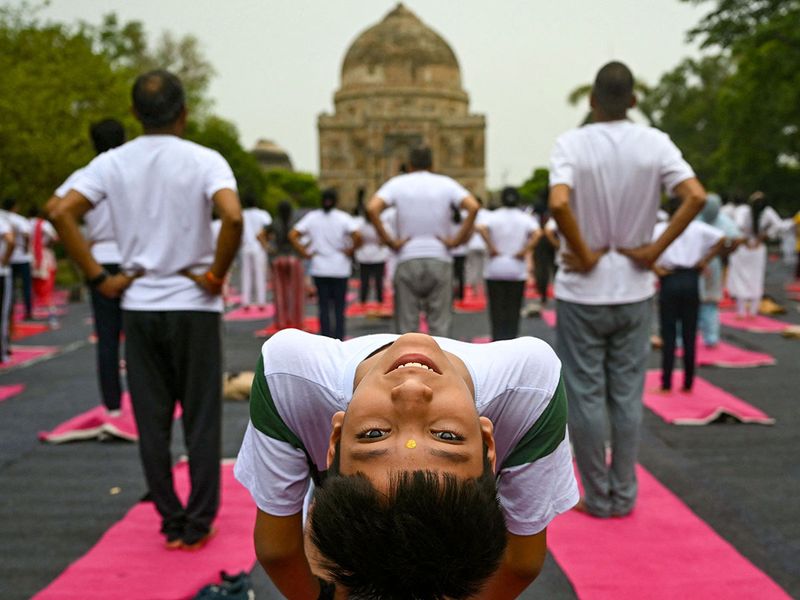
(427, 418)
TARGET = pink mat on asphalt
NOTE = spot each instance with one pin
(94, 424)
(21, 355)
(25, 329)
(470, 304)
(9, 391)
(39, 312)
(727, 355)
(703, 405)
(662, 551)
(253, 313)
(549, 317)
(793, 286)
(310, 324)
(757, 324)
(130, 562)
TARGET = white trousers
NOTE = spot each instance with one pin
(254, 277)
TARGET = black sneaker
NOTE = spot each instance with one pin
(233, 587)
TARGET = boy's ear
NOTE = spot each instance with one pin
(336, 435)
(487, 433)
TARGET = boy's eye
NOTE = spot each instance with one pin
(447, 436)
(371, 434)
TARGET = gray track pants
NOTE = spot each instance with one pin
(604, 355)
(423, 285)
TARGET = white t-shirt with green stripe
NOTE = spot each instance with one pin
(303, 379)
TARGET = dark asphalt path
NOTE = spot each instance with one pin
(744, 480)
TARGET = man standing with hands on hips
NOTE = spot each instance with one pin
(606, 180)
(160, 191)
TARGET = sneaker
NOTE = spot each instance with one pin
(192, 541)
(233, 587)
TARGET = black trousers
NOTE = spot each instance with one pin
(331, 292)
(678, 301)
(22, 272)
(544, 261)
(6, 306)
(458, 276)
(108, 326)
(371, 273)
(176, 356)
(505, 301)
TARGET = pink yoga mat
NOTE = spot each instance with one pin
(253, 313)
(130, 562)
(95, 424)
(310, 324)
(730, 356)
(661, 551)
(39, 312)
(549, 317)
(793, 286)
(757, 324)
(703, 405)
(470, 304)
(9, 391)
(22, 355)
(22, 330)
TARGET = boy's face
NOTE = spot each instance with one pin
(412, 409)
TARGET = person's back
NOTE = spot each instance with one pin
(605, 183)
(424, 203)
(616, 171)
(161, 209)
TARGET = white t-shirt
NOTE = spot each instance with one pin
(159, 190)
(424, 203)
(509, 229)
(770, 223)
(371, 251)
(329, 236)
(5, 227)
(476, 243)
(616, 172)
(302, 380)
(255, 220)
(689, 247)
(22, 233)
(99, 230)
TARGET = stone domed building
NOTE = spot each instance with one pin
(400, 87)
(271, 156)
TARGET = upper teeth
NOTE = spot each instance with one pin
(414, 364)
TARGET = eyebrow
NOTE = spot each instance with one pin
(454, 457)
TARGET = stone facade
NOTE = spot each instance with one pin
(401, 87)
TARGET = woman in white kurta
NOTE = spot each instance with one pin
(747, 265)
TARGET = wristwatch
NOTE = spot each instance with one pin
(97, 279)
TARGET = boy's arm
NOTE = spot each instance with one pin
(280, 550)
(521, 564)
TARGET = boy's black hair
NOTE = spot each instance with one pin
(158, 98)
(432, 536)
(107, 134)
(613, 89)
(9, 203)
(420, 158)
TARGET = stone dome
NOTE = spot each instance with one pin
(271, 156)
(400, 51)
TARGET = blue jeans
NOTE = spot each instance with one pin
(708, 322)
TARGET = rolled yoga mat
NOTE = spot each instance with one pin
(705, 404)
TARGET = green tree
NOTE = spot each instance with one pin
(302, 189)
(759, 104)
(582, 94)
(222, 136)
(686, 104)
(534, 189)
(54, 86)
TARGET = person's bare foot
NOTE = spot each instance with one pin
(660, 391)
(656, 341)
(581, 507)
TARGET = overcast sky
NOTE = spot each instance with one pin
(278, 61)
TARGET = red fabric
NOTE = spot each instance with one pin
(289, 292)
(38, 243)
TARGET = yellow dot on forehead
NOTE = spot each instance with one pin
(411, 444)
